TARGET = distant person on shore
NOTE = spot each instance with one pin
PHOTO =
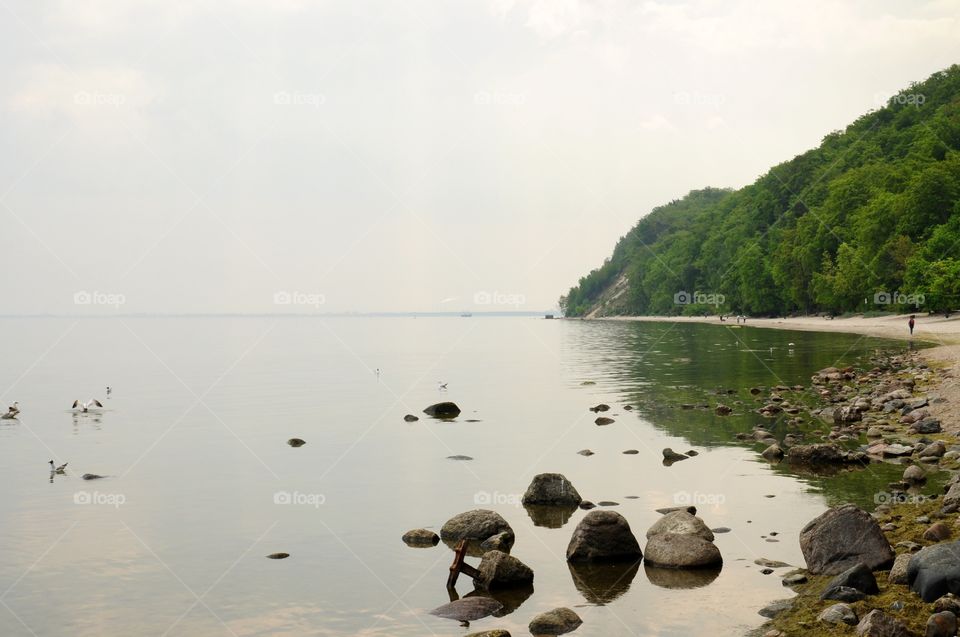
(911, 323)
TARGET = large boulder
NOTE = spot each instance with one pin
(935, 571)
(551, 489)
(843, 537)
(501, 570)
(681, 523)
(443, 410)
(603, 535)
(671, 550)
(476, 525)
(877, 623)
(555, 622)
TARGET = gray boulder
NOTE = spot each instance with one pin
(935, 571)
(843, 537)
(877, 623)
(681, 523)
(670, 550)
(476, 525)
(501, 570)
(499, 542)
(551, 489)
(468, 609)
(858, 577)
(603, 535)
(420, 537)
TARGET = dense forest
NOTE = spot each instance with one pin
(869, 221)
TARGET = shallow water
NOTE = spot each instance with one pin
(193, 441)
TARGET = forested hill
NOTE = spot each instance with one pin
(868, 221)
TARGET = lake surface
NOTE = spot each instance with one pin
(202, 486)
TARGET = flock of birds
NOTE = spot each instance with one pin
(79, 407)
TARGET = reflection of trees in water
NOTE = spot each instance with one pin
(657, 367)
(551, 517)
(681, 577)
(602, 582)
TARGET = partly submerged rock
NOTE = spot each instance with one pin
(551, 489)
(603, 535)
(558, 621)
(468, 609)
(443, 410)
(296, 442)
(671, 550)
(476, 525)
(501, 570)
(682, 523)
(278, 556)
(420, 537)
(410, 418)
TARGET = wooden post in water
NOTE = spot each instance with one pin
(459, 566)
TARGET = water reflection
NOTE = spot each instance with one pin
(602, 582)
(551, 517)
(511, 598)
(680, 577)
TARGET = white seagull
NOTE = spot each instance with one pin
(85, 407)
(12, 411)
(61, 469)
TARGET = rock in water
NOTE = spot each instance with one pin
(935, 571)
(822, 453)
(603, 535)
(490, 633)
(670, 550)
(477, 525)
(681, 523)
(773, 452)
(551, 489)
(468, 609)
(459, 457)
(672, 456)
(420, 537)
(499, 542)
(500, 570)
(90, 476)
(558, 621)
(410, 418)
(603, 420)
(443, 410)
(296, 442)
(827, 547)
(278, 556)
(876, 623)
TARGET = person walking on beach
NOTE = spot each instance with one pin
(911, 323)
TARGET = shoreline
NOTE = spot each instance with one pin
(941, 333)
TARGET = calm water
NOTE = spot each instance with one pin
(194, 443)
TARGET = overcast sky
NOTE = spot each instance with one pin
(293, 155)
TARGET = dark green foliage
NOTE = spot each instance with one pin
(876, 208)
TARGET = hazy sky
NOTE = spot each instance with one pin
(215, 156)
